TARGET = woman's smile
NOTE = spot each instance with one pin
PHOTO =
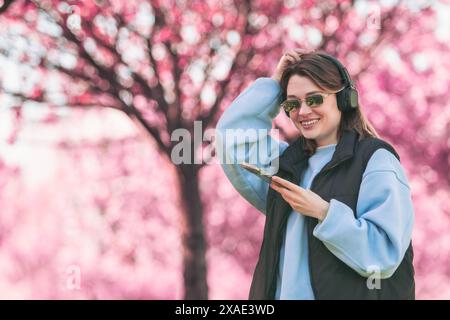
(309, 124)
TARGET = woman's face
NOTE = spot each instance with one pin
(324, 131)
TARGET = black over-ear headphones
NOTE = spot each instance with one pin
(347, 98)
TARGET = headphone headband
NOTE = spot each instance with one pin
(341, 68)
(347, 98)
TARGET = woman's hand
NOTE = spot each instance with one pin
(289, 57)
(301, 200)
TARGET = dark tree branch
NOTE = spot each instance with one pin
(42, 100)
(240, 57)
(137, 117)
(111, 77)
(5, 6)
(143, 85)
(159, 90)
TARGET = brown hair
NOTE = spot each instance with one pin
(327, 77)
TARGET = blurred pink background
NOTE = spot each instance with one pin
(91, 205)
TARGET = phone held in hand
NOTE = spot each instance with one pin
(260, 173)
(257, 171)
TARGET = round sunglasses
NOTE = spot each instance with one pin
(311, 101)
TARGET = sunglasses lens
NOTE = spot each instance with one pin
(290, 105)
(314, 101)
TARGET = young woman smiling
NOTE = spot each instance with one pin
(339, 214)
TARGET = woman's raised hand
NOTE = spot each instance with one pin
(289, 57)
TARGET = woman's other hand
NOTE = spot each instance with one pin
(301, 200)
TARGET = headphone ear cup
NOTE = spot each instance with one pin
(353, 98)
(347, 99)
(341, 100)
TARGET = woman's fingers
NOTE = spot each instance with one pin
(279, 188)
(295, 55)
(285, 193)
(285, 183)
(288, 196)
(303, 50)
(292, 56)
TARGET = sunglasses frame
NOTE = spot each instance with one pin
(323, 94)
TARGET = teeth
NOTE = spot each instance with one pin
(310, 122)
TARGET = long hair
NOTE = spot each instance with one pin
(326, 76)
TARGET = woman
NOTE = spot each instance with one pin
(339, 214)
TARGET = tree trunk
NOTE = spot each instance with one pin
(193, 235)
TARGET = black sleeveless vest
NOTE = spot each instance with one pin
(340, 179)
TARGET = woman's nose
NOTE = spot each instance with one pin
(303, 110)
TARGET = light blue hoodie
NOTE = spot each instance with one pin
(378, 237)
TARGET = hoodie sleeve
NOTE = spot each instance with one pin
(243, 135)
(375, 241)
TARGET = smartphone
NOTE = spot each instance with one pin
(257, 171)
